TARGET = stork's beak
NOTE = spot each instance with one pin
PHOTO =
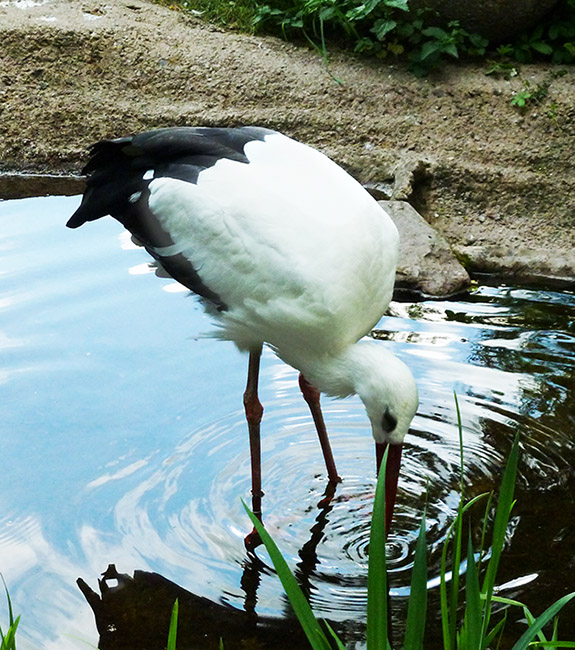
(391, 476)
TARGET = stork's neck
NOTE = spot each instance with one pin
(333, 374)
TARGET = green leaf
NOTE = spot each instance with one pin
(338, 643)
(478, 41)
(417, 606)
(363, 10)
(382, 27)
(504, 507)
(495, 631)
(542, 48)
(301, 607)
(541, 621)
(473, 605)
(397, 4)
(377, 570)
(451, 49)
(172, 633)
(429, 48)
(436, 32)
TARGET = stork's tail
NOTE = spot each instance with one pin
(114, 175)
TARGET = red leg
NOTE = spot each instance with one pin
(311, 396)
(254, 411)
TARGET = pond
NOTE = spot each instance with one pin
(123, 438)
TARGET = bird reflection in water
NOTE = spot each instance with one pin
(134, 612)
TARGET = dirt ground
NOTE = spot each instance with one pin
(497, 181)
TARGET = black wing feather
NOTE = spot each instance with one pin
(119, 172)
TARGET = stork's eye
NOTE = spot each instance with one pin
(388, 421)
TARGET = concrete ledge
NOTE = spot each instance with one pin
(21, 186)
(521, 265)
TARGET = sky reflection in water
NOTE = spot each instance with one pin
(123, 438)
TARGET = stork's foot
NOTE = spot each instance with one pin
(252, 541)
(329, 493)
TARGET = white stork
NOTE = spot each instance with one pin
(284, 248)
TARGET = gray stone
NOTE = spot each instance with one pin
(535, 266)
(497, 20)
(426, 262)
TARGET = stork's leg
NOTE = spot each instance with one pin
(254, 411)
(311, 395)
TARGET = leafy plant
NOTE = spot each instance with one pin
(437, 43)
(474, 629)
(521, 97)
(173, 630)
(538, 93)
(8, 638)
(389, 28)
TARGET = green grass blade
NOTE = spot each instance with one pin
(443, 595)
(495, 631)
(473, 607)
(541, 621)
(555, 636)
(457, 542)
(460, 430)
(417, 607)
(504, 507)
(173, 631)
(334, 636)
(9, 639)
(377, 569)
(455, 565)
(9, 601)
(484, 533)
(301, 607)
(445, 614)
(528, 615)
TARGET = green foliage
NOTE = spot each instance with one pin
(466, 627)
(377, 636)
(233, 14)
(310, 625)
(380, 28)
(536, 94)
(435, 45)
(417, 606)
(521, 97)
(8, 638)
(388, 29)
(173, 630)
(552, 39)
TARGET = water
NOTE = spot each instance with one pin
(123, 440)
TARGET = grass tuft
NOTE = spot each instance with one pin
(8, 638)
(467, 625)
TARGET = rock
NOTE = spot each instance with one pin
(426, 262)
(408, 174)
(522, 265)
(497, 20)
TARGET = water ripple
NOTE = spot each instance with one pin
(143, 428)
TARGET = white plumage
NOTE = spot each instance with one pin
(284, 246)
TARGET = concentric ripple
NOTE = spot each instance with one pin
(127, 441)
